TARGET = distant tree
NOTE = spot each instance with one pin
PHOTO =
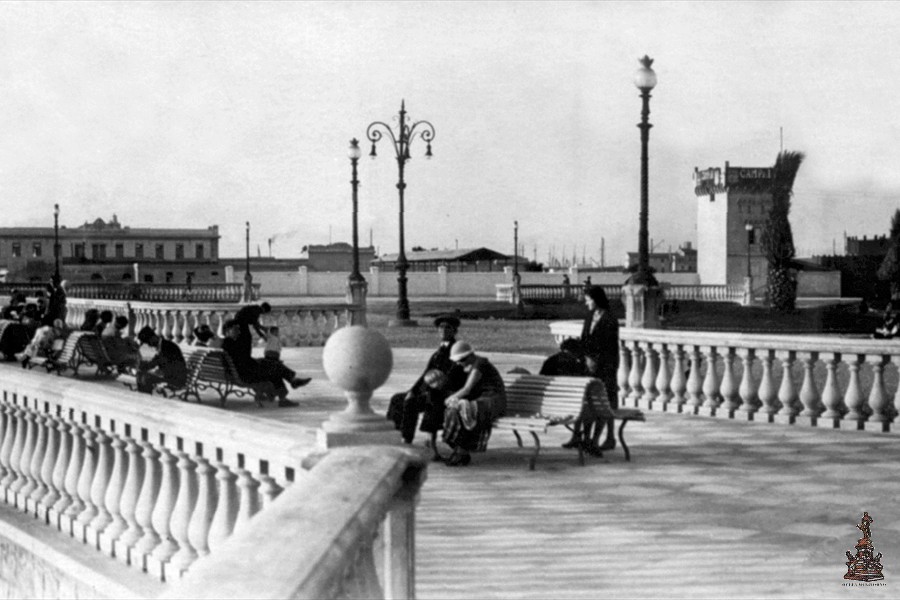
(890, 267)
(777, 239)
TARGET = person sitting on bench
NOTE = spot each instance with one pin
(428, 393)
(167, 366)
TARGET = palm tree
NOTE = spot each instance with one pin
(777, 239)
(890, 266)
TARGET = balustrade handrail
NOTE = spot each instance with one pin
(250, 503)
(196, 292)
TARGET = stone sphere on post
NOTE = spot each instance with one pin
(357, 359)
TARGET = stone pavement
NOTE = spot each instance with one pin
(707, 508)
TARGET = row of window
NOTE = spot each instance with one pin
(98, 251)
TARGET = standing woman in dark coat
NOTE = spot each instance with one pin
(600, 344)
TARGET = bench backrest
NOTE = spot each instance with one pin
(92, 349)
(552, 396)
(216, 366)
(69, 348)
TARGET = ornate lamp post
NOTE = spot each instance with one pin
(645, 80)
(56, 276)
(247, 295)
(517, 279)
(642, 294)
(749, 228)
(401, 141)
(356, 284)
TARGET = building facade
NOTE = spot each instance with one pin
(108, 251)
(728, 200)
(682, 261)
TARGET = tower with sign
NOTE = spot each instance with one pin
(732, 206)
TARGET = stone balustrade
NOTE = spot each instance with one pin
(575, 293)
(299, 325)
(146, 292)
(211, 503)
(816, 380)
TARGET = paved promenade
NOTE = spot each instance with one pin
(706, 508)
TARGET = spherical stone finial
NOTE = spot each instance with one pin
(357, 359)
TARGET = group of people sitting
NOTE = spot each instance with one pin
(461, 394)
(39, 321)
(268, 374)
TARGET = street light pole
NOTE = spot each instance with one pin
(645, 80)
(401, 141)
(247, 296)
(354, 154)
(56, 276)
(517, 279)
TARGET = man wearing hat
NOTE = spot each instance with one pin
(439, 379)
(166, 367)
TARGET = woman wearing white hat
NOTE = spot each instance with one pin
(471, 410)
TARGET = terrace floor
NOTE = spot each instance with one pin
(706, 507)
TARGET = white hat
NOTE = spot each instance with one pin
(460, 350)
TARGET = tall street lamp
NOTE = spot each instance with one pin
(517, 279)
(354, 153)
(749, 228)
(401, 141)
(247, 295)
(56, 276)
(645, 80)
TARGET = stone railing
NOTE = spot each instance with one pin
(184, 501)
(575, 293)
(146, 292)
(299, 325)
(817, 380)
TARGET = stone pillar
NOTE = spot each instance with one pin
(376, 281)
(442, 281)
(642, 304)
(229, 274)
(356, 294)
(357, 360)
(748, 292)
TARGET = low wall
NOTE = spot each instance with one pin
(101, 497)
(814, 380)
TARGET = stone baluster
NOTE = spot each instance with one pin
(99, 485)
(5, 433)
(187, 330)
(622, 373)
(663, 376)
(831, 395)
(55, 506)
(634, 377)
(8, 456)
(895, 404)
(678, 383)
(648, 377)
(165, 505)
(113, 496)
(728, 389)
(787, 393)
(749, 399)
(710, 383)
(809, 394)
(42, 461)
(768, 394)
(205, 508)
(147, 501)
(24, 485)
(694, 386)
(880, 417)
(85, 479)
(249, 504)
(75, 506)
(268, 490)
(181, 514)
(130, 494)
(226, 508)
(853, 396)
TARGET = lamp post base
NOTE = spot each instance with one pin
(642, 304)
(403, 323)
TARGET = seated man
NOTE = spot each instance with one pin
(428, 393)
(167, 366)
(123, 352)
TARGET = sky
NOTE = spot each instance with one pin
(216, 113)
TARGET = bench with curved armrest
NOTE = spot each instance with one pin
(66, 358)
(534, 403)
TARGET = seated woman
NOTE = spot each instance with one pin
(123, 352)
(203, 335)
(44, 342)
(890, 327)
(470, 411)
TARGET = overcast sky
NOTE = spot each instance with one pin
(193, 114)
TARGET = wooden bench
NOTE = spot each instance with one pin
(192, 359)
(65, 359)
(216, 371)
(90, 351)
(534, 403)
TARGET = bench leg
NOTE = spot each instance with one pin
(622, 439)
(537, 449)
(518, 437)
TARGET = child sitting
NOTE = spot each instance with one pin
(273, 344)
